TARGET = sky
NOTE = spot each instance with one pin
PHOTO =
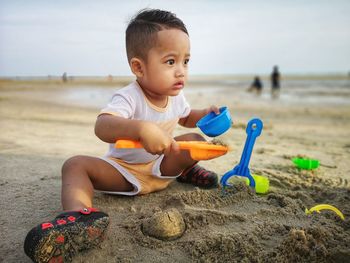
(85, 37)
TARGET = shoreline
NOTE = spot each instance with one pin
(92, 95)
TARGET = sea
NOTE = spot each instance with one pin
(302, 92)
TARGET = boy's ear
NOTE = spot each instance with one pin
(137, 66)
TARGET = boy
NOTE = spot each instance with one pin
(147, 110)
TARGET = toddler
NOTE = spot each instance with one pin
(147, 110)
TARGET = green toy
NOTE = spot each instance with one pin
(306, 164)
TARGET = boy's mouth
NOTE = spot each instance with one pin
(179, 85)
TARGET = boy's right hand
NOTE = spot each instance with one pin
(155, 140)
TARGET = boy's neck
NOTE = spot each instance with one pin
(161, 101)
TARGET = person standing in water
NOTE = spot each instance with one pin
(275, 82)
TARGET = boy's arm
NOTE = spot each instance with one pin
(110, 128)
(195, 115)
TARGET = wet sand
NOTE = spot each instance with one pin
(41, 127)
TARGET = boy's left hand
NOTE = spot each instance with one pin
(213, 108)
(195, 115)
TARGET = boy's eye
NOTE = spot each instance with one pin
(186, 61)
(170, 62)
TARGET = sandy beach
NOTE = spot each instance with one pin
(43, 123)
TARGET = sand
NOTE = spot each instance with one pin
(41, 127)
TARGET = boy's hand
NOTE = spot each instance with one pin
(213, 108)
(195, 115)
(155, 140)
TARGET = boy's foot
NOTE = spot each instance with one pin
(60, 239)
(198, 176)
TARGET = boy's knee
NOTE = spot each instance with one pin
(190, 137)
(73, 163)
(198, 137)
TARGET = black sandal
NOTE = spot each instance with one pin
(60, 239)
(198, 176)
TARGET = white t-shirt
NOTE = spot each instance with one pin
(131, 103)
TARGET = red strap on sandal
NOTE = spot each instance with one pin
(88, 210)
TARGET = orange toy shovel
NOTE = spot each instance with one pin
(198, 150)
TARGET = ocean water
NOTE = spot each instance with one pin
(320, 92)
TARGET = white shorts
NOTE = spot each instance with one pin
(145, 177)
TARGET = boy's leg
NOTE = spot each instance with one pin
(174, 163)
(80, 227)
(82, 174)
(190, 172)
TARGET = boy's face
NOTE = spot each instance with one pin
(165, 71)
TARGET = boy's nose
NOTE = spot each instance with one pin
(180, 72)
(180, 75)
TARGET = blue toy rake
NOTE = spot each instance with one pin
(254, 128)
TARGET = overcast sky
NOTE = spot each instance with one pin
(227, 37)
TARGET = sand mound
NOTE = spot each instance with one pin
(167, 225)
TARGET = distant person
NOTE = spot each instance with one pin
(64, 77)
(147, 110)
(275, 82)
(256, 86)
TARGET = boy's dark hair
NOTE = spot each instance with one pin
(141, 31)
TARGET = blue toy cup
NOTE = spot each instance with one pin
(214, 125)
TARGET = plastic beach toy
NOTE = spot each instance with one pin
(320, 207)
(214, 125)
(306, 164)
(254, 128)
(198, 150)
(262, 183)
